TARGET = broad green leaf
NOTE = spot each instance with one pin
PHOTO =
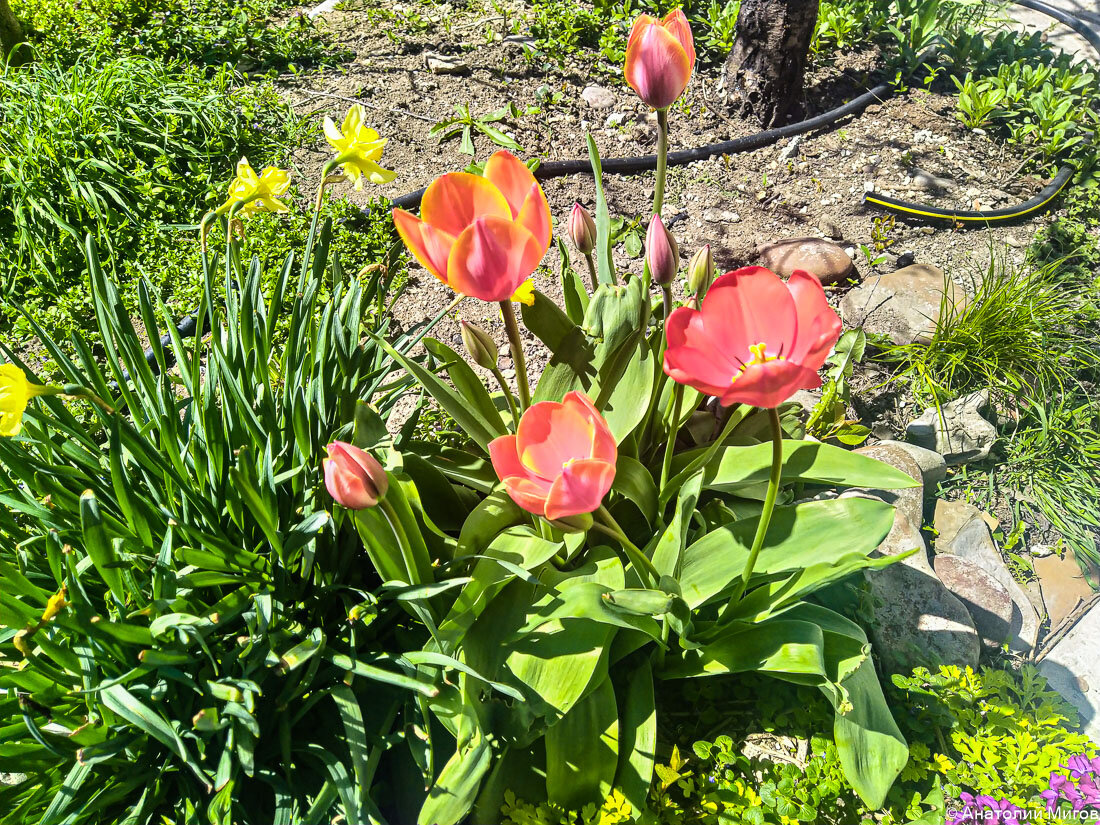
(778, 646)
(638, 735)
(455, 789)
(582, 750)
(816, 532)
(871, 748)
(469, 419)
(572, 286)
(467, 383)
(734, 468)
(633, 481)
(668, 548)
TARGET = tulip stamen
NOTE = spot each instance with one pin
(759, 356)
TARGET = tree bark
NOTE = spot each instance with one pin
(11, 32)
(764, 70)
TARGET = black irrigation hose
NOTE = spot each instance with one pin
(1011, 213)
(748, 143)
(921, 212)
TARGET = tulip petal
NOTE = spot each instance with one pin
(530, 494)
(818, 324)
(550, 435)
(657, 67)
(603, 442)
(580, 488)
(637, 29)
(491, 258)
(770, 384)
(428, 245)
(534, 216)
(749, 306)
(511, 176)
(694, 348)
(676, 23)
(453, 201)
(504, 455)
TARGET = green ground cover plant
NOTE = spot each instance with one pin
(87, 149)
(991, 732)
(207, 33)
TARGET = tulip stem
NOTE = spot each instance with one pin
(499, 376)
(592, 271)
(606, 524)
(769, 505)
(673, 429)
(515, 341)
(662, 160)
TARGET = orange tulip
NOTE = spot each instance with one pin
(561, 461)
(482, 236)
(660, 56)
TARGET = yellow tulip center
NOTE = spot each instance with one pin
(759, 356)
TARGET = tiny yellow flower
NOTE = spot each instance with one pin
(359, 146)
(15, 393)
(258, 192)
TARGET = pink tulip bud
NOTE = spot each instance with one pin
(582, 229)
(662, 255)
(354, 478)
(660, 56)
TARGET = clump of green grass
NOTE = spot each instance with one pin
(114, 147)
(199, 32)
(1023, 335)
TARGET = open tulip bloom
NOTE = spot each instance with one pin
(561, 461)
(483, 236)
(756, 340)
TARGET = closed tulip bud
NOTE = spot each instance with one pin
(480, 346)
(700, 271)
(579, 523)
(354, 478)
(662, 255)
(582, 229)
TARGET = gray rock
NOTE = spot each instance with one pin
(444, 64)
(720, 216)
(931, 183)
(909, 500)
(807, 399)
(12, 778)
(1073, 669)
(918, 621)
(823, 259)
(614, 120)
(984, 597)
(1041, 551)
(957, 431)
(598, 97)
(903, 305)
(932, 466)
(905, 259)
(962, 531)
(791, 149)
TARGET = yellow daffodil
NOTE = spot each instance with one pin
(257, 192)
(359, 148)
(15, 393)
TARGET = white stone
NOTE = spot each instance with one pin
(1073, 669)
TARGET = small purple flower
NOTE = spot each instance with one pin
(1090, 794)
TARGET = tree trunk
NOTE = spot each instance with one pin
(764, 70)
(11, 33)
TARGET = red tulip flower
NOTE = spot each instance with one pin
(354, 477)
(482, 236)
(660, 56)
(561, 462)
(756, 340)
